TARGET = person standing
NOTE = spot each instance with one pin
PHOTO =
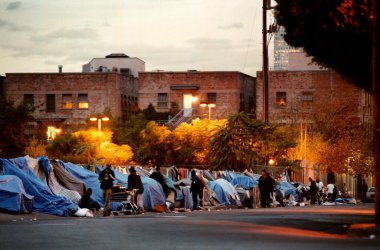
(195, 188)
(106, 178)
(264, 189)
(135, 183)
(364, 191)
(313, 191)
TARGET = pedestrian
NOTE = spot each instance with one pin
(87, 202)
(135, 184)
(195, 188)
(265, 187)
(313, 191)
(156, 175)
(330, 192)
(106, 178)
(319, 185)
(364, 191)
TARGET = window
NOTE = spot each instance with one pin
(281, 99)
(83, 101)
(29, 101)
(251, 104)
(211, 97)
(50, 103)
(242, 102)
(67, 101)
(307, 100)
(162, 100)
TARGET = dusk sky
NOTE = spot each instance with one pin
(39, 35)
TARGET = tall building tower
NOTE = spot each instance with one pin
(282, 50)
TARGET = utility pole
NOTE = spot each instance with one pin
(266, 4)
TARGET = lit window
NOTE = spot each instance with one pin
(281, 99)
(67, 101)
(52, 132)
(83, 101)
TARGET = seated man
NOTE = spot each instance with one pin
(87, 202)
(156, 175)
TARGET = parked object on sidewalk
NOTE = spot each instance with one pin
(370, 194)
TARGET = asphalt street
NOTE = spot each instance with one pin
(319, 227)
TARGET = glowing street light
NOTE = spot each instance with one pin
(271, 162)
(99, 119)
(209, 105)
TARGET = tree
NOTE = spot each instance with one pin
(243, 141)
(190, 142)
(12, 126)
(336, 33)
(35, 148)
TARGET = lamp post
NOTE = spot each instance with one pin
(99, 119)
(209, 105)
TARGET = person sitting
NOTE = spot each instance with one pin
(135, 183)
(87, 202)
(156, 175)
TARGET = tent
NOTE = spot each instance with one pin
(89, 178)
(44, 200)
(153, 192)
(14, 199)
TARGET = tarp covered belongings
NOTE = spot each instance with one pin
(244, 181)
(90, 179)
(14, 199)
(44, 200)
(153, 192)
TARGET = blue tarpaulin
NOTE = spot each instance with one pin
(44, 200)
(219, 192)
(153, 192)
(245, 181)
(14, 199)
(89, 178)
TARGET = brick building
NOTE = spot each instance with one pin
(65, 101)
(231, 92)
(294, 96)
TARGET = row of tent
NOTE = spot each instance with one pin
(55, 187)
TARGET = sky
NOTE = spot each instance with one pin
(170, 35)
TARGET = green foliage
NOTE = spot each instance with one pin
(245, 140)
(64, 147)
(128, 132)
(12, 126)
(336, 33)
(35, 148)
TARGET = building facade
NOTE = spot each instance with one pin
(225, 93)
(295, 96)
(65, 101)
(116, 62)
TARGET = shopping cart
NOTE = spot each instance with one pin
(126, 198)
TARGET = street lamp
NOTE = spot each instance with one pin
(99, 119)
(209, 105)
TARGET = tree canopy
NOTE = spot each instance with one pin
(336, 33)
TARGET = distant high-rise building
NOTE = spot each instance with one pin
(282, 50)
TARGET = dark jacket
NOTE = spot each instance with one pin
(106, 178)
(160, 179)
(134, 182)
(196, 185)
(313, 187)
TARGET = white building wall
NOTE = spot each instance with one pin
(135, 65)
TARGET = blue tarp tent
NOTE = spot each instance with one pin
(153, 192)
(88, 177)
(44, 200)
(288, 189)
(221, 196)
(14, 199)
(245, 181)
